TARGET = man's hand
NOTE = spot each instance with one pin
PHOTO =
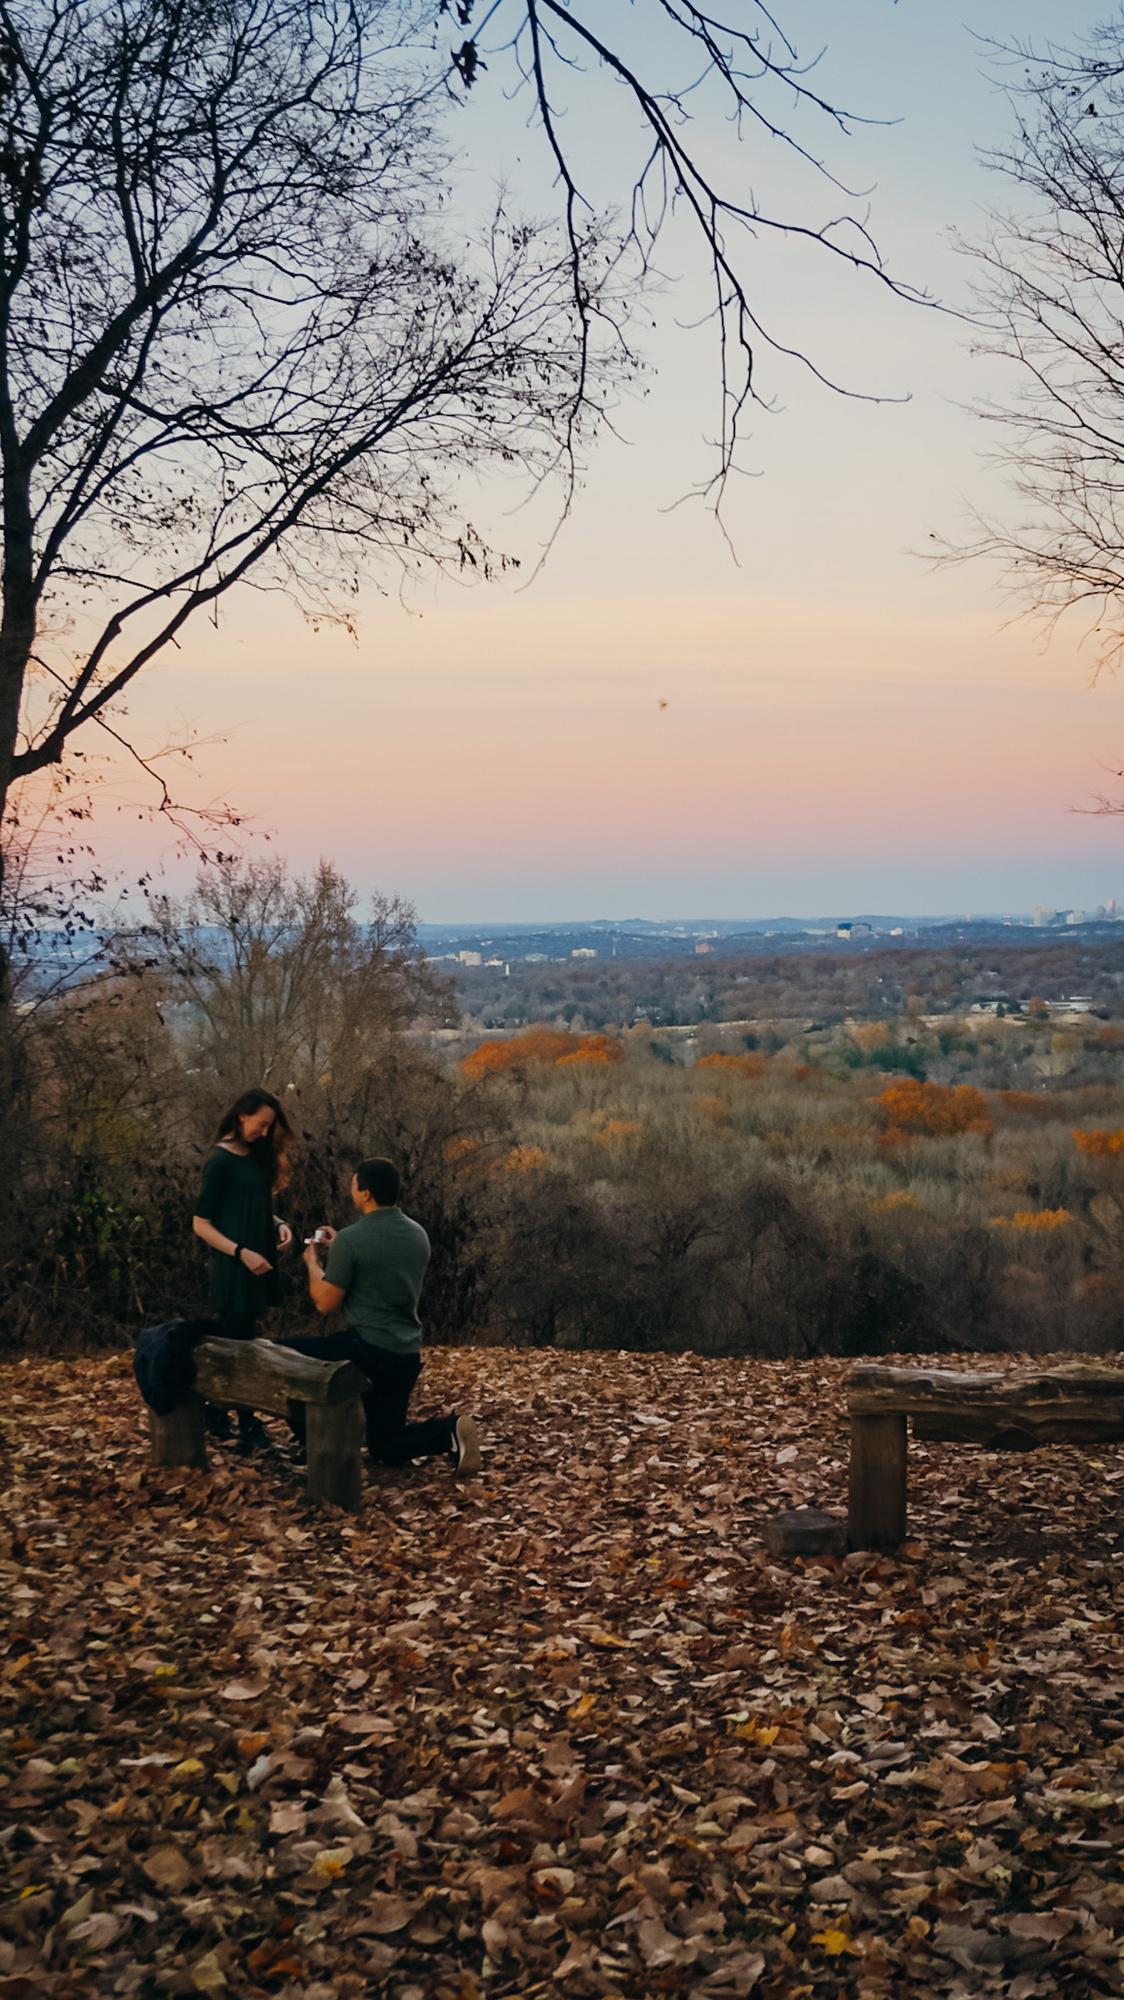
(327, 1234)
(255, 1264)
(284, 1236)
(325, 1297)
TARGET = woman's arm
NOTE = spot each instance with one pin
(226, 1246)
(212, 1237)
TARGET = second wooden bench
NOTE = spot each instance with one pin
(1009, 1410)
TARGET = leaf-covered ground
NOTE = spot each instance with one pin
(563, 1729)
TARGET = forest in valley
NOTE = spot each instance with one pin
(801, 986)
(908, 1177)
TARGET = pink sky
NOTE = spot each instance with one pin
(845, 730)
(509, 757)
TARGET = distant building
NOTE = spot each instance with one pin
(1076, 917)
(583, 951)
(470, 958)
(535, 958)
(853, 930)
(702, 947)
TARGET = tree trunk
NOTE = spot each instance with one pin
(17, 637)
(17, 625)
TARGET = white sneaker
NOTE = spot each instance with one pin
(466, 1446)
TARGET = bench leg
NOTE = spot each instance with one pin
(179, 1439)
(335, 1433)
(876, 1512)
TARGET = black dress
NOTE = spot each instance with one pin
(237, 1198)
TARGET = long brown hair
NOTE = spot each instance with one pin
(272, 1151)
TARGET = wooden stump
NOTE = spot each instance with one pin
(806, 1531)
(876, 1510)
(179, 1439)
(335, 1434)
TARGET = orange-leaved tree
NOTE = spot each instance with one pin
(539, 1048)
(594, 1050)
(1099, 1145)
(535, 1048)
(939, 1110)
(748, 1065)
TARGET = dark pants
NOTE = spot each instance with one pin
(390, 1439)
(240, 1326)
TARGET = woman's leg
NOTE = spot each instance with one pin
(251, 1431)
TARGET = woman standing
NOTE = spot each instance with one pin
(234, 1218)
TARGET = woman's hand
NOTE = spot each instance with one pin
(255, 1264)
(284, 1236)
(327, 1234)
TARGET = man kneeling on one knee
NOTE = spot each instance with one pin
(375, 1270)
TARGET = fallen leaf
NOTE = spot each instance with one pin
(388, 1913)
(167, 1868)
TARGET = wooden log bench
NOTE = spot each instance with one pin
(1015, 1409)
(264, 1377)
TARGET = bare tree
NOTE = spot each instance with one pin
(1051, 298)
(234, 343)
(240, 343)
(278, 981)
(745, 73)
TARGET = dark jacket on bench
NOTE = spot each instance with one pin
(163, 1363)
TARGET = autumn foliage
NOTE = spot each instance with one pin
(1100, 1145)
(199, 1802)
(936, 1110)
(525, 1160)
(540, 1048)
(747, 1065)
(595, 1050)
(1033, 1221)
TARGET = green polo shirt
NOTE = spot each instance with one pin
(379, 1264)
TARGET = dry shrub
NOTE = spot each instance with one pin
(617, 1131)
(892, 1138)
(1028, 1104)
(715, 1110)
(748, 1065)
(1031, 1221)
(526, 1160)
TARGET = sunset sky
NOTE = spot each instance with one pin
(846, 729)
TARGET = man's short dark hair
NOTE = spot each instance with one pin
(381, 1180)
